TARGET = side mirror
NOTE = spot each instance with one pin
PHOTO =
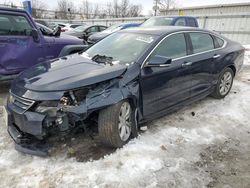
(35, 35)
(159, 61)
(57, 31)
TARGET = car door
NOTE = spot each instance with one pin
(17, 47)
(165, 87)
(203, 59)
(91, 31)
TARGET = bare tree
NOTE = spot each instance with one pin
(116, 8)
(167, 4)
(65, 9)
(86, 9)
(38, 8)
(135, 10)
(124, 7)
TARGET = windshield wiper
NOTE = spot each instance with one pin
(103, 59)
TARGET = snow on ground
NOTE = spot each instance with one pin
(247, 55)
(204, 145)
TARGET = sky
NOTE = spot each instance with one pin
(146, 4)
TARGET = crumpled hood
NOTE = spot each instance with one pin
(66, 73)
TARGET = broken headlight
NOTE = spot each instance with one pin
(48, 107)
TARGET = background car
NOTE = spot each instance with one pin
(187, 21)
(114, 28)
(113, 88)
(83, 32)
(68, 27)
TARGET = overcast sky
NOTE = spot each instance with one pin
(147, 4)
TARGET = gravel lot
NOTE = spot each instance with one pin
(204, 145)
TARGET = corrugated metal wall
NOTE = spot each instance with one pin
(232, 21)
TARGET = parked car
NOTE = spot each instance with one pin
(68, 27)
(83, 32)
(112, 29)
(187, 21)
(117, 87)
(23, 45)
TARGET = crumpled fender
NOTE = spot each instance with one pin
(119, 89)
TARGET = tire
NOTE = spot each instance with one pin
(110, 121)
(225, 81)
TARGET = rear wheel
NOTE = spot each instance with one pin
(224, 84)
(115, 124)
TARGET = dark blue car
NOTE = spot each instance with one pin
(187, 21)
(128, 78)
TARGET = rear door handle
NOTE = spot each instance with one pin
(186, 64)
(216, 56)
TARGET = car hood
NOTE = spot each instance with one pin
(68, 39)
(98, 36)
(66, 73)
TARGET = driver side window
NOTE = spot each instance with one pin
(172, 47)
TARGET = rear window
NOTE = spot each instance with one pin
(201, 42)
(157, 21)
(219, 42)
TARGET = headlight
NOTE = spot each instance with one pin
(49, 108)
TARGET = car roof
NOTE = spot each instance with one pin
(172, 17)
(161, 30)
(12, 9)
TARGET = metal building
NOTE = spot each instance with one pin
(231, 20)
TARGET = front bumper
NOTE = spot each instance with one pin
(25, 142)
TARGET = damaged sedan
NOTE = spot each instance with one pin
(124, 80)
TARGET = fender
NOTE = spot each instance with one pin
(70, 49)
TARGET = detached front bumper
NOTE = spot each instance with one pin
(25, 142)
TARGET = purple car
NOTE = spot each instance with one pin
(23, 43)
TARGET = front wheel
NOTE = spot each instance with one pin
(224, 84)
(115, 124)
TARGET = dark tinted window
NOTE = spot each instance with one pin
(173, 46)
(180, 22)
(92, 29)
(201, 42)
(191, 22)
(102, 28)
(14, 25)
(74, 26)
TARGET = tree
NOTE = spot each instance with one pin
(38, 8)
(65, 9)
(124, 7)
(135, 11)
(86, 9)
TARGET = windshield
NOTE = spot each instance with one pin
(113, 28)
(157, 21)
(124, 48)
(80, 29)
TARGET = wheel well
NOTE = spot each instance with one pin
(233, 69)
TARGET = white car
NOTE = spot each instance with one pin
(68, 27)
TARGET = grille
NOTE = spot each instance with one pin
(24, 104)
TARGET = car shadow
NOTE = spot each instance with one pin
(82, 147)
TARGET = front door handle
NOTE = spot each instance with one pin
(186, 64)
(216, 56)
